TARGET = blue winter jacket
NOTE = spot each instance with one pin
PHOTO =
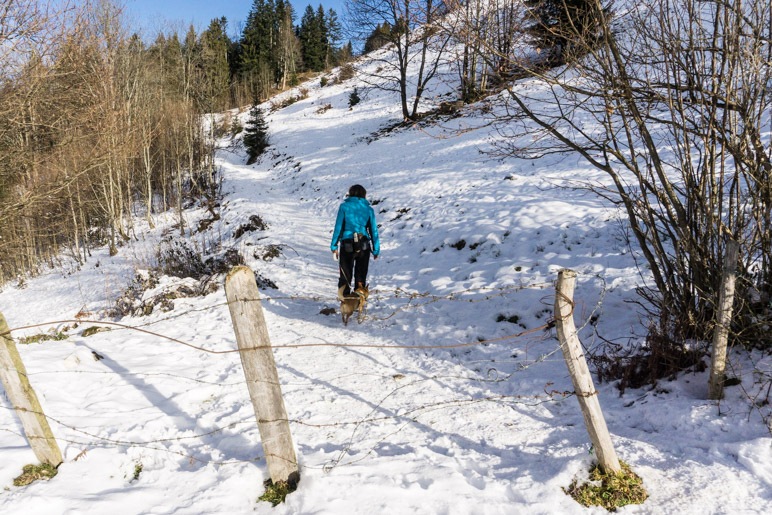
(356, 215)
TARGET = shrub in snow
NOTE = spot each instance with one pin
(353, 98)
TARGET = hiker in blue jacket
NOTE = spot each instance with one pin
(355, 237)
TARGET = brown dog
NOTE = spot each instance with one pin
(350, 303)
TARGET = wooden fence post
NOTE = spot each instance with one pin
(580, 373)
(24, 401)
(723, 319)
(262, 377)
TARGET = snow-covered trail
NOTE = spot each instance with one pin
(301, 233)
(401, 420)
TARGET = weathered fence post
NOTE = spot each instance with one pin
(262, 376)
(580, 373)
(723, 319)
(24, 401)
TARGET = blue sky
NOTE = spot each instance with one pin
(153, 15)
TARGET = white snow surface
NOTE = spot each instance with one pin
(435, 404)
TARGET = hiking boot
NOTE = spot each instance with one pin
(361, 290)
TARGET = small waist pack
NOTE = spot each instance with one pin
(359, 243)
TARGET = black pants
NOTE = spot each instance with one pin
(353, 265)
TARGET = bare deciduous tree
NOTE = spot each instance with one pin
(672, 101)
(491, 36)
(415, 46)
(288, 48)
(92, 125)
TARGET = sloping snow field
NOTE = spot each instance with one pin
(451, 398)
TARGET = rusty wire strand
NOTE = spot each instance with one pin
(411, 415)
(289, 345)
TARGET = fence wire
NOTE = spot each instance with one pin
(408, 413)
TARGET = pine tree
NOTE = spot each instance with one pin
(313, 38)
(215, 45)
(191, 58)
(334, 35)
(258, 55)
(255, 134)
(379, 37)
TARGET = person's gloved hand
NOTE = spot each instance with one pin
(335, 255)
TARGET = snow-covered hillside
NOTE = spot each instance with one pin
(450, 398)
